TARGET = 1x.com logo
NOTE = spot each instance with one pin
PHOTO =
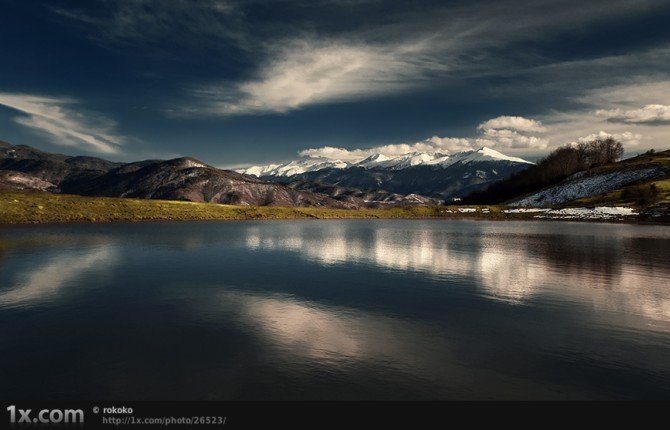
(45, 416)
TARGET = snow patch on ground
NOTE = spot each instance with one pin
(467, 210)
(602, 212)
(585, 186)
(524, 210)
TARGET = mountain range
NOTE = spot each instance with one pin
(439, 176)
(377, 180)
(26, 168)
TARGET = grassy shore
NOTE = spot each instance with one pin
(34, 208)
(43, 208)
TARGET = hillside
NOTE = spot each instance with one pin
(639, 181)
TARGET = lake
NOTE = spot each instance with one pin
(353, 309)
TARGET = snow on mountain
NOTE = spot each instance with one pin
(487, 154)
(380, 161)
(295, 167)
(373, 160)
(409, 160)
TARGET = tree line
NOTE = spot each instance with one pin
(555, 167)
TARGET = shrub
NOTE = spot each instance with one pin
(643, 195)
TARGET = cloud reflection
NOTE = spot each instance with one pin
(48, 280)
(339, 336)
(511, 266)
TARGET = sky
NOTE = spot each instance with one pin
(236, 83)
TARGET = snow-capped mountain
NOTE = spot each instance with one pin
(294, 167)
(437, 175)
(380, 161)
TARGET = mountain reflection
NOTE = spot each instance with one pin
(515, 266)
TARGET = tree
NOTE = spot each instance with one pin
(555, 167)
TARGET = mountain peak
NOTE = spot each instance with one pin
(374, 157)
(186, 162)
(484, 152)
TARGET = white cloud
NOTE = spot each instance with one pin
(510, 139)
(431, 145)
(55, 118)
(511, 132)
(626, 137)
(649, 114)
(517, 123)
(305, 73)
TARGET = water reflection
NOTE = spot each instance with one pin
(338, 335)
(336, 310)
(613, 271)
(47, 280)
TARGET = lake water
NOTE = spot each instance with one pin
(354, 309)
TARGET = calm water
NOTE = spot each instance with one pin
(335, 310)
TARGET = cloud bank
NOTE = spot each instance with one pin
(499, 133)
(649, 114)
(627, 138)
(55, 118)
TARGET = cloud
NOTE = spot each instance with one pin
(492, 137)
(348, 50)
(590, 117)
(650, 114)
(511, 132)
(142, 21)
(627, 138)
(307, 72)
(510, 139)
(517, 123)
(65, 126)
(431, 145)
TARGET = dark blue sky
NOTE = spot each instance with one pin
(239, 82)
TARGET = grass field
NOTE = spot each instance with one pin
(39, 208)
(34, 207)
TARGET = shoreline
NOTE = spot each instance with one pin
(33, 208)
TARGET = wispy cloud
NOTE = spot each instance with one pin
(141, 21)
(305, 72)
(59, 120)
(307, 58)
